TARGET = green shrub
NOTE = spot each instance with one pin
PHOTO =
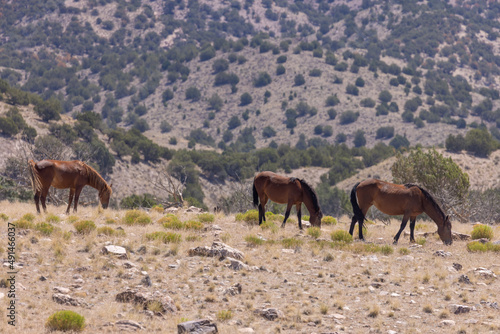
(476, 246)
(84, 226)
(171, 221)
(136, 217)
(404, 251)
(4, 217)
(65, 321)
(45, 228)
(254, 240)
(106, 230)
(51, 218)
(341, 235)
(329, 220)
(291, 242)
(314, 232)
(386, 250)
(193, 225)
(72, 219)
(224, 315)
(165, 237)
(251, 216)
(269, 225)
(305, 217)
(421, 241)
(23, 224)
(29, 217)
(482, 231)
(278, 218)
(206, 217)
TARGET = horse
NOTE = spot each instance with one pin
(66, 174)
(289, 190)
(408, 200)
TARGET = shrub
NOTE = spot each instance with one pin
(51, 218)
(332, 101)
(314, 232)
(245, 99)
(165, 237)
(224, 315)
(171, 221)
(385, 96)
(254, 240)
(65, 321)
(385, 132)
(280, 69)
(136, 217)
(45, 228)
(481, 231)
(329, 220)
(352, 90)
(367, 103)
(106, 230)
(386, 250)
(29, 217)
(342, 236)
(291, 243)
(263, 79)
(479, 142)
(206, 217)
(193, 225)
(299, 80)
(269, 225)
(348, 117)
(84, 226)
(251, 216)
(23, 224)
(477, 246)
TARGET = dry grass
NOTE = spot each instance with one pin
(373, 285)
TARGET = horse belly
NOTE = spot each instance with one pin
(61, 183)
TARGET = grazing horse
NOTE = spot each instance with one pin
(289, 190)
(408, 200)
(66, 174)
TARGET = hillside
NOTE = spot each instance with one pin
(244, 85)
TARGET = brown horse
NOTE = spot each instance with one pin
(66, 174)
(289, 190)
(408, 200)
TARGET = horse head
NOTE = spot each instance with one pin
(315, 219)
(104, 196)
(444, 231)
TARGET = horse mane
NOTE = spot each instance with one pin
(95, 179)
(311, 193)
(428, 197)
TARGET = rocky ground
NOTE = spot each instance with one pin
(259, 281)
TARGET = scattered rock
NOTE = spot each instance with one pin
(81, 269)
(493, 305)
(64, 299)
(2, 295)
(483, 240)
(483, 272)
(234, 290)
(464, 279)
(146, 281)
(128, 265)
(200, 326)
(141, 250)
(236, 264)
(115, 250)
(42, 278)
(166, 304)
(442, 253)
(405, 258)
(128, 325)
(457, 266)
(460, 236)
(269, 313)
(62, 290)
(447, 323)
(194, 209)
(459, 309)
(218, 249)
(246, 330)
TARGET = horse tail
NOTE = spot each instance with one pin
(354, 202)
(36, 182)
(255, 195)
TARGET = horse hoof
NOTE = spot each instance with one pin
(395, 242)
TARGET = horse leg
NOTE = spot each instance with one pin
(403, 225)
(287, 213)
(299, 214)
(412, 228)
(70, 200)
(77, 196)
(37, 200)
(43, 197)
(262, 210)
(353, 223)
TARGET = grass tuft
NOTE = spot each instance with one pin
(165, 237)
(291, 243)
(341, 235)
(65, 321)
(224, 315)
(254, 240)
(206, 217)
(269, 225)
(329, 220)
(45, 228)
(314, 232)
(476, 246)
(251, 216)
(52, 218)
(136, 217)
(481, 231)
(84, 226)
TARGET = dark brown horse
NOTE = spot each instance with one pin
(66, 174)
(408, 200)
(285, 190)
